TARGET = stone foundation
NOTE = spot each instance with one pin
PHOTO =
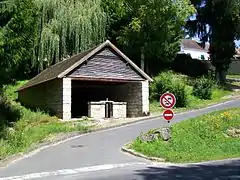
(119, 109)
(96, 110)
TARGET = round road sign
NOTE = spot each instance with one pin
(168, 115)
(167, 100)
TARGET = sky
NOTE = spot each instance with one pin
(238, 43)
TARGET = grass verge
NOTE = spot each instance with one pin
(218, 95)
(22, 128)
(198, 139)
(233, 76)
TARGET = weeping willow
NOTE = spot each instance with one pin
(67, 27)
(63, 27)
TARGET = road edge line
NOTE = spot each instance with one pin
(125, 148)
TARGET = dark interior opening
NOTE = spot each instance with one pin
(86, 91)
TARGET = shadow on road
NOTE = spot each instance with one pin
(229, 171)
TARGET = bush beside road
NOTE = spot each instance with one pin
(195, 93)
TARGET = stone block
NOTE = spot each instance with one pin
(66, 116)
(66, 97)
(119, 110)
(96, 110)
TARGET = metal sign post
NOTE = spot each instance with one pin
(168, 101)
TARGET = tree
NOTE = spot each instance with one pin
(17, 35)
(155, 29)
(40, 33)
(217, 21)
(118, 17)
(67, 27)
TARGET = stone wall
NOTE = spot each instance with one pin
(136, 94)
(134, 99)
(46, 96)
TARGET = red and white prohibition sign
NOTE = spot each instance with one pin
(168, 115)
(167, 100)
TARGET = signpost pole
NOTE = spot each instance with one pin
(168, 101)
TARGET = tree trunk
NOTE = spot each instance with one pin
(142, 59)
(221, 76)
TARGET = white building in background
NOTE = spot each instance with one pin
(193, 49)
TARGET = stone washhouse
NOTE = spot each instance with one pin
(99, 83)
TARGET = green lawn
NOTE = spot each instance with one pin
(236, 84)
(198, 139)
(30, 127)
(218, 95)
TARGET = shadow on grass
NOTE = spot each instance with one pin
(8, 115)
(232, 87)
(230, 171)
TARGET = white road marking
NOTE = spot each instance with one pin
(77, 171)
(110, 129)
(71, 171)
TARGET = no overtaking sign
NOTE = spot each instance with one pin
(167, 100)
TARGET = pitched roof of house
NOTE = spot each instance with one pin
(191, 44)
(207, 46)
(238, 51)
(62, 68)
(237, 55)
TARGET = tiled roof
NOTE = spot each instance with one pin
(53, 71)
(237, 55)
(60, 69)
(191, 44)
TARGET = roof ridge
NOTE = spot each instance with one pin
(62, 68)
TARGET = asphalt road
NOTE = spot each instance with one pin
(91, 154)
(227, 170)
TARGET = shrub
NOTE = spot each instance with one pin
(168, 81)
(203, 87)
(8, 112)
(179, 90)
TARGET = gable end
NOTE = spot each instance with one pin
(106, 64)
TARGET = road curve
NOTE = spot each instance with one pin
(95, 149)
(224, 170)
